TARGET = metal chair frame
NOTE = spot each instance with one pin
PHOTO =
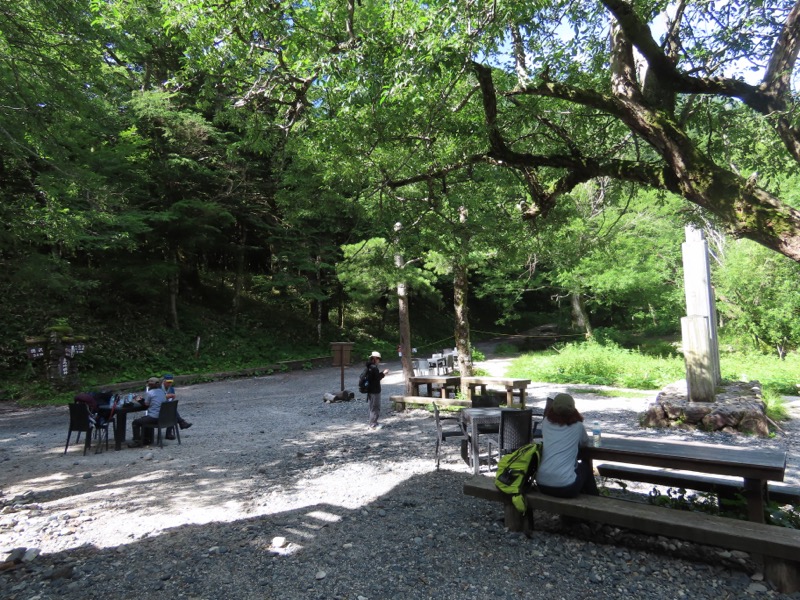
(81, 420)
(443, 434)
(516, 430)
(167, 417)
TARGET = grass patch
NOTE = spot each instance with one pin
(597, 364)
(775, 406)
(616, 393)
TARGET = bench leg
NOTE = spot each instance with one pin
(755, 491)
(783, 574)
(513, 518)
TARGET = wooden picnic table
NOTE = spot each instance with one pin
(756, 466)
(513, 387)
(445, 381)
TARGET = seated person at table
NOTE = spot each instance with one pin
(168, 385)
(154, 397)
(560, 473)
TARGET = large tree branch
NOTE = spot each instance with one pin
(771, 98)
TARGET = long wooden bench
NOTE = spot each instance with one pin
(724, 488)
(778, 546)
(400, 403)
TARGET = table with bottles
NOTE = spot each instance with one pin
(118, 409)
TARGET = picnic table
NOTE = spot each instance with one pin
(445, 382)
(514, 388)
(755, 466)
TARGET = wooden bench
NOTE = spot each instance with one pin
(778, 546)
(400, 403)
(723, 488)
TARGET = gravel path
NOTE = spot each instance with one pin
(274, 494)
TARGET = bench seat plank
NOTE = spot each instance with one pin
(757, 538)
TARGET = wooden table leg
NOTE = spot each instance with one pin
(755, 490)
(120, 424)
(476, 458)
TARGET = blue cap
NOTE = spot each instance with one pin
(168, 377)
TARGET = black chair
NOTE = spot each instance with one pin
(486, 401)
(443, 434)
(167, 417)
(516, 429)
(82, 420)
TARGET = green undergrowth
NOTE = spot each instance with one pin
(595, 364)
(735, 507)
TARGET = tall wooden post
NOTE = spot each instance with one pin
(699, 327)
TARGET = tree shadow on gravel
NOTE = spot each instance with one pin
(421, 539)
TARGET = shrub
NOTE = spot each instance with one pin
(596, 364)
(506, 349)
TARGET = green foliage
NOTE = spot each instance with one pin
(679, 498)
(757, 291)
(506, 349)
(783, 515)
(593, 363)
(776, 376)
(736, 507)
(775, 405)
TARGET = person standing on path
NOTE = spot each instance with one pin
(374, 376)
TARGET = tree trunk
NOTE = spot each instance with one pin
(238, 280)
(404, 324)
(172, 285)
(580, 318)
(462, 337)
(460, 299)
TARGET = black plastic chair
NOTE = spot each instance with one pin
(167, 417)
(443, 434)
(486, 401)
(516, 429)
(84, 421)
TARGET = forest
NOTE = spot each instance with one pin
(203, 185)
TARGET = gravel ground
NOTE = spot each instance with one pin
(275, 494)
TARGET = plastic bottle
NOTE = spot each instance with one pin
(596, 434)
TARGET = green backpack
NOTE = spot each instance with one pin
(515, 473)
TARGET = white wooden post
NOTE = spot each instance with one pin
(699, 327)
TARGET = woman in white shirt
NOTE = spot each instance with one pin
(560, 473)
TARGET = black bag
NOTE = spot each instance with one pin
(363, 381)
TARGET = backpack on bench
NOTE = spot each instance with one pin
(515, 473)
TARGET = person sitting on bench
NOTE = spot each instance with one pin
(560, 473)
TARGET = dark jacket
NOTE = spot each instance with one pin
(374, 376)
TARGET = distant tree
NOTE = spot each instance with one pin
(615, 253)
(757, 296)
